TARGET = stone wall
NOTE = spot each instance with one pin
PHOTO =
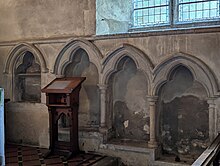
(122, 72)
(152, 52)
(36, 19)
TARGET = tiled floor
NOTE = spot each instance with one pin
(31, 156)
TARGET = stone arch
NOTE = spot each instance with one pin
(142, 62)
(17, 51)
(14, 59)
(121, 69)
(65, 55)
(199, 70)
(88, 60)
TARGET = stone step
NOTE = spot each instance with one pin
(108, 161)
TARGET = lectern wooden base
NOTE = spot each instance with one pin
(67, 156)
(63, 104)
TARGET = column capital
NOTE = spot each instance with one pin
(211, 102)
(153, 99)
(211, 99)
(60, 76)
(102, 86)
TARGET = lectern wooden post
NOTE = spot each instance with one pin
(62, 98)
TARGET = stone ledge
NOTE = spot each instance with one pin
(162, 163)
(163, 32)
(127, 148)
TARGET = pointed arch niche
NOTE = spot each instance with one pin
(186, 114)
(23, 69)
(126, 71)
(80, 58)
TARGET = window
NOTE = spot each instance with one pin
(150, 12)
(154, 13)
(198, 10)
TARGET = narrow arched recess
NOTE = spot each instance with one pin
(126, 72)
(80, 58)
(22, 70)
(185, 114)
(129, 107)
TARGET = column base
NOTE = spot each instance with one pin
(152, 144)
(103, 129)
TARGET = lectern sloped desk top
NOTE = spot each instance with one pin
(63, 85)
(62, 99)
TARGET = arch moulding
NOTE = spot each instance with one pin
(198, 68)
(17, 51)
(65, 55)
(142, 62)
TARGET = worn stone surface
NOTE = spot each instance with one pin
(34, 19)
(130, 114)
(129, 155)
(126, 92)
(184, 115)
(27, 79)
(22, 124)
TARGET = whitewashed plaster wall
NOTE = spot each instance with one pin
(116, 20)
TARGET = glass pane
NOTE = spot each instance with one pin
(185, 1)
(150, 12)
(197, 10)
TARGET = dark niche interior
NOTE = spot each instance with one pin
(28, 79)
(183, 115)
(80, 66)
(63, 128)
(130, 116)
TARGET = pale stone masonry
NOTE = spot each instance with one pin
(146, 93)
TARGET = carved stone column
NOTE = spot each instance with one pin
(212, 119)
(103, 89)
(152, 105)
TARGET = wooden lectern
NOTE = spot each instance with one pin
(62, 99)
